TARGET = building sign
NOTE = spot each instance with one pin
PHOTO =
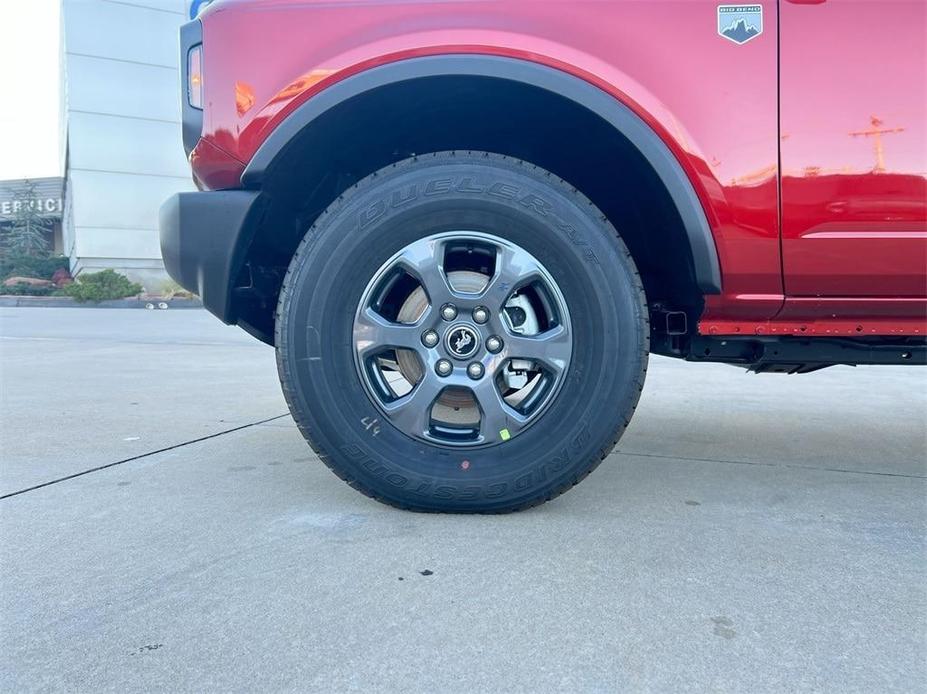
(46, 200)
(49, 207)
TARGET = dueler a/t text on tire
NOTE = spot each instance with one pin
(462, 332)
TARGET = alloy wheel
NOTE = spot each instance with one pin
(462, 339)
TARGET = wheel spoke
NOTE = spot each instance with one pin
(498, 420)
(552, 347)
(425, 261)
(412, 412)
(514, 268)
(373, 332)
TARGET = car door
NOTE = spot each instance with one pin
(853, 116)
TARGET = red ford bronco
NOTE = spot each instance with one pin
(465, 225)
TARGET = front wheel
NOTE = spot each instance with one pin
(462, 332)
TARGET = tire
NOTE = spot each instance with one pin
(327, 382)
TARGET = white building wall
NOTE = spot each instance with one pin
(124, 155)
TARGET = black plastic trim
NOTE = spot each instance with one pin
(701, 241)
(790, 354)
(191, 34)
(203, 240)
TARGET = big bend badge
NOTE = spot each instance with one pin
(740, 23)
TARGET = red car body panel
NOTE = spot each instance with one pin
(854, 150)
(713, 102)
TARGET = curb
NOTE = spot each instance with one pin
(68, 302)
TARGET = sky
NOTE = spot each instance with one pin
(30, 91)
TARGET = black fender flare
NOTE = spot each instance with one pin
(654, 150)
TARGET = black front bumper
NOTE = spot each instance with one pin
(204, 238)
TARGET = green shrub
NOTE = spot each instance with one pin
(101, 286)
(23, 289)
(22, 265)
(169, 289)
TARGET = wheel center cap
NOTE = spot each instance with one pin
(461, 341)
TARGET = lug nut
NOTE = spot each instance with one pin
(481, 314)
(475, 371)
(494, 344)
(444, 367)
(430, 338)
(449, 312)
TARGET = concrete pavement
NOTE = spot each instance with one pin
(752, 533)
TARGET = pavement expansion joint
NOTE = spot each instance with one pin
(140, 456)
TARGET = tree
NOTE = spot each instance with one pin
(28, 232)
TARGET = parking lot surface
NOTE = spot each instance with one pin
(164, 526)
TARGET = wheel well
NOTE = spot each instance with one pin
(392, 122)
